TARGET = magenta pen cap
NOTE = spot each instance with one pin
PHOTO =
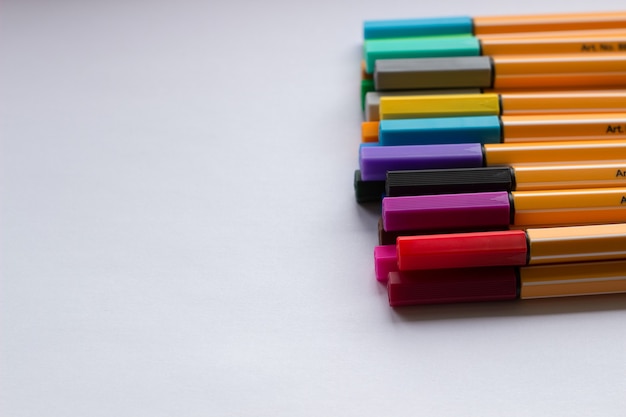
(447, 211)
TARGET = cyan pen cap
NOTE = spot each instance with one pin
(425, 47)
(447, 211)
(440, 130)
(375, 161)
(434, 26)
(429, 73)
(449, 181)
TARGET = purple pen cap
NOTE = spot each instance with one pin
(447, 211)
(375, 161)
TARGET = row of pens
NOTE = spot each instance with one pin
(496, 149)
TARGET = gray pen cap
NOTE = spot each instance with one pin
(429, 73)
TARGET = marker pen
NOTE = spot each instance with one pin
(490, 104)
(501, 208)
(502, 72)
(502, 129)
(548, 245)
(496, 283)
(557, 176)
(466, 25)
(457, 46)
(375, 161)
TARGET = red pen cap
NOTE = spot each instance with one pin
(462, 250)
(441, 286)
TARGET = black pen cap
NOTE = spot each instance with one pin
(449, 181)
(367, 191)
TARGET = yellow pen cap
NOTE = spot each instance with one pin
(565, 176)
(450, 105)
(585, 278)
(569, 207)
(564, 127)
(551, 152)
(577, 243)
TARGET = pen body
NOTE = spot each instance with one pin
(536, 103)
(501, 209)
(498, 129)
(455, 25)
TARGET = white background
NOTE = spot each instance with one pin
(179, 235)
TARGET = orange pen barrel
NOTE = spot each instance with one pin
(555, 34)
(559, 176)
(563, 102)
(583, 278)
(549, 152)
(553, 45)
(555, 127)
(569, 207)
(564, 70)
(577, 243)
(549, 22)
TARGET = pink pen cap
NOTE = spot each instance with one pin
(447, 211)
(385, 261)
(441, 286)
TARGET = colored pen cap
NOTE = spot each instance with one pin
(372, 98)
(434, 26)
(440, 130)
(447, 211)
(375, 161)
(419, 47)
(366, 87)
(462, 250)
(449, 181)
(577, 243)
(369, 132)
(385, 261)
(389, 237)
(579, 278)
(454, 105)
(366, 191)
(441, 286)
(429, 73)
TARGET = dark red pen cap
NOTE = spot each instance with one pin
(462, 250)
(442, 286)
